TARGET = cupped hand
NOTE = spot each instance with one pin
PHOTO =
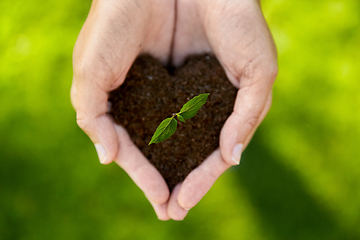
(237, 33)
(114, 34)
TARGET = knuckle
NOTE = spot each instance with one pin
(269, 71)
(266, 70)
(81, 67)
(272, 71)
(73, 96)
(252, 113)
(253, 121)
(97, 70)
(83, 122)
(250, 116)
(78, 61)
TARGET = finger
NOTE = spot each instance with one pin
(144, 174)
(90, 103)
(201, 179)
(250, 103)
(175, 211)
(262, 117)
(160, 210)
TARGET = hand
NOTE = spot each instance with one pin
(236, 32)
(114, 34)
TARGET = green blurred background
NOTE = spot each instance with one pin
(299, 178)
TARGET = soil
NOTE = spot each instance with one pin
(152, 92)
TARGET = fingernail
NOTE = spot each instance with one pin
(101, 152)
(236, 153)
(187, 209)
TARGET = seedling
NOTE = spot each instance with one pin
(169, 125)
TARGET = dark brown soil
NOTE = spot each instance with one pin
(150, 94)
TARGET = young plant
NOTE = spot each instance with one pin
(169, 125)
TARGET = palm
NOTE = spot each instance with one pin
(115, 32)
(235, 31)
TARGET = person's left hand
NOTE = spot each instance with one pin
(237, 33)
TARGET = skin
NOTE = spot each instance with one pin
(117, 31)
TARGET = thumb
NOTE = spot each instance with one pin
(251, 106)
(90, 103)
(104, 51)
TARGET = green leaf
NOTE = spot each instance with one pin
(193, 105)
(180, 118)
(164, 130)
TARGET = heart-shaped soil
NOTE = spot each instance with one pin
(150, 94)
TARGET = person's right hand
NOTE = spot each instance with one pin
(114, 34)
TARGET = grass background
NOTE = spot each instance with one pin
(299, 178)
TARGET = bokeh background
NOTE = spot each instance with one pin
(299, 178)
